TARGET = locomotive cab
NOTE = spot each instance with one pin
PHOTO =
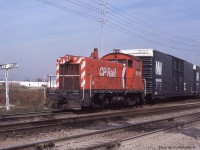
(132, 69)
(133, 84)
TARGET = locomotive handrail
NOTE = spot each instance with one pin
(116, 79)
(83, 94)
(91, 85)
(75, 75)
(145, 88)
(60, 76)
(63, 75)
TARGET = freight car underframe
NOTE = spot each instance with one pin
(150, 98)
(79, 98)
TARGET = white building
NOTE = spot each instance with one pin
(25, 83)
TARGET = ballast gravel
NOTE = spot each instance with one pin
(186, 138)
(143, 144)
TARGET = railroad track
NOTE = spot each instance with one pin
(26, 116)
(113, 137)
(153, 129)
(22, 129)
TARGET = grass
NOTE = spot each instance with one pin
(23, 99)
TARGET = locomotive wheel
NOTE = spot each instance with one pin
(106, 101)
(130, 101)
(50, 104)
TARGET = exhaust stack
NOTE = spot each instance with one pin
(94, 54)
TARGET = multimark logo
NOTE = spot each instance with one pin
(158, 68)
(197, 76)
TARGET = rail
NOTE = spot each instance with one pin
(56, 120)
(194, 117)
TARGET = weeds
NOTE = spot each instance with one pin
(22, 99)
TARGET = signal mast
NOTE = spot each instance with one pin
(6, 67)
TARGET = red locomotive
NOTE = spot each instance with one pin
(115, 79)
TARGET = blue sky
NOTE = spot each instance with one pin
(35, 34)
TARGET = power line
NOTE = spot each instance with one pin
(131, 25)
(69, 10)
(118, 27)
(94, 1)
(197, 44)
(101, 20)
(127, 16)
(84, 5)
(161, 35)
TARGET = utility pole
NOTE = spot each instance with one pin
(6, 67)
(102, 20)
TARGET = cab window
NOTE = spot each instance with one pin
(138, 65)
(130, 63)
(112, 60)
(122, 61)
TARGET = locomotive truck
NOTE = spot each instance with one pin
(115, 79)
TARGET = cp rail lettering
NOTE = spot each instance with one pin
(104, 71)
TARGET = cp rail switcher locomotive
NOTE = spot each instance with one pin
(114, 79)
(123, 77)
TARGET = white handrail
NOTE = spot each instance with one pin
(91, 85)
(83, 94)
(144, 87)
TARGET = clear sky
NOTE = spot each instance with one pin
(35, 33)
